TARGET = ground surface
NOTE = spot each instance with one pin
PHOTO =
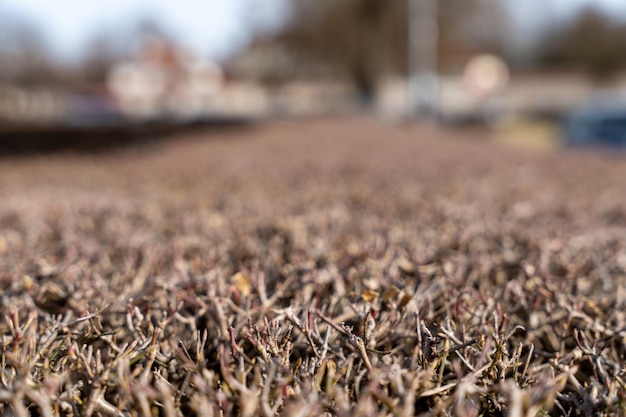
(298, 268)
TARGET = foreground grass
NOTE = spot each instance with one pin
(339, 269)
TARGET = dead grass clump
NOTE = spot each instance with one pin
(245, 294)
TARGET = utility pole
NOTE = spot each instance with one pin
(422, 58)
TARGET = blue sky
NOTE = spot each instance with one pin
(210, 27)
(528, 9)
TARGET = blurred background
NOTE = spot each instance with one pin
(542, 71)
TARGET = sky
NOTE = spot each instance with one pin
(212, 28)
(529, 10)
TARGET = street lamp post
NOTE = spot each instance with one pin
(422, 54)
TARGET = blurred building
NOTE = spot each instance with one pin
(165, 81)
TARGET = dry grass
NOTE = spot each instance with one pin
(335, 267)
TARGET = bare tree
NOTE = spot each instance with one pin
(102, 52)
(24, 56)
(591, 40)
(364, 39)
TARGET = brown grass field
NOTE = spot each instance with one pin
(308, 268)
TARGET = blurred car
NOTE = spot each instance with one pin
(93, 111)
(600, 123)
